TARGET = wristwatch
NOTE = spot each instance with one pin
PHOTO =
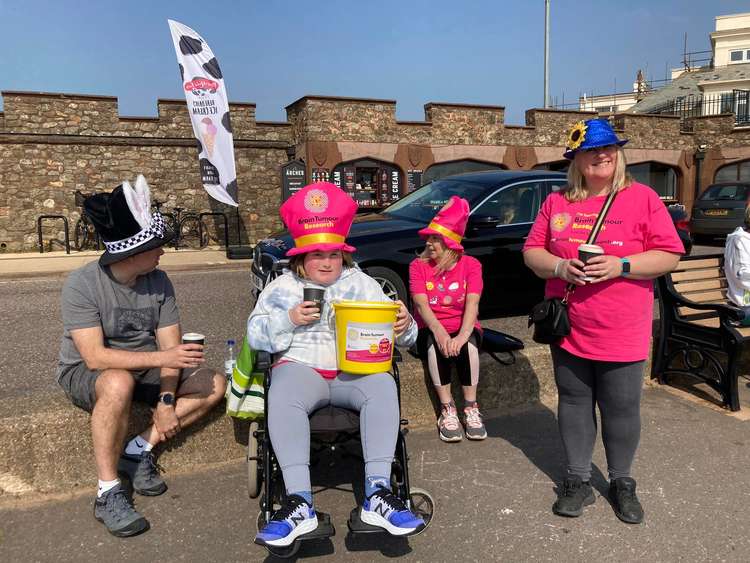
(625, 266)
(167, 399)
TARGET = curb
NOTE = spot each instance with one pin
(56, 439)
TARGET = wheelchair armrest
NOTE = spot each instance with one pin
(262, 360)
(494, 341)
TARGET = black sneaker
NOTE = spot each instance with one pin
(143, 472)
(575, 494)
(624, 500)
(115, 510)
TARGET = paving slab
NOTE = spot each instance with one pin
(493, 502)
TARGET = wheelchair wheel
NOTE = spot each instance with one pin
(280, 552)
(422, 504)
(253, 462)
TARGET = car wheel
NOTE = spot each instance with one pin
(392, 284)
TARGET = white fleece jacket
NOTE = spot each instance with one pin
(314, 345)
(737, 267)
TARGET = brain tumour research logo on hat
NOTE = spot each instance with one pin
(316, 201)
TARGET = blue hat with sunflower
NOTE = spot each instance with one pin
(590, 134)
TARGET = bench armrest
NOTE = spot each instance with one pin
(729, 312)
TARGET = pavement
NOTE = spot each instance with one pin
(492, 498)
(30, 264)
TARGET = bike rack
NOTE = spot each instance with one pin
(214, 213)
(39, 231)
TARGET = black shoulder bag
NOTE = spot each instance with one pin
(550, 317)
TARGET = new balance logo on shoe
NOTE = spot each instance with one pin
(382, 509)
(297, 518)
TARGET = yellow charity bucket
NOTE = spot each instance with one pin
(364, 335)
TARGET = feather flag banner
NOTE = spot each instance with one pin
(207, 104)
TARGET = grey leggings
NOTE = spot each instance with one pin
(582, 384)
(297, 390)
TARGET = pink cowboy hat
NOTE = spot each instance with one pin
(319, 217)
(450, 223)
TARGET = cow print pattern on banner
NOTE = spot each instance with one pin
(190, 45)
(232, 189)
(200, 146)
(212, 68)
(226, 122)
(182, 72)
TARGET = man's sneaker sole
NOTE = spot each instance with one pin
(477, 437)
(133, 529)
(588, 501)
(305, 528)
(375, 519)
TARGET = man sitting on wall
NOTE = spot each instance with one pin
(121, 343)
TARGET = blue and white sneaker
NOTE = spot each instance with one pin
(385, 510)
(293, 519)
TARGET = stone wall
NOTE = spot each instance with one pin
(54, 144)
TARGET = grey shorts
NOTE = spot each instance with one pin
(79, 384)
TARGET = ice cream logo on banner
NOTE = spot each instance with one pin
(201, 86)
(205, 92)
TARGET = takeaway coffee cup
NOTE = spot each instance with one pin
(588, 251)
(193, 338)
(315, 294)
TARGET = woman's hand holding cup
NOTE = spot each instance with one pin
(602, 268)
(571, 271)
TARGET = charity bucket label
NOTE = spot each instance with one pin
(369, 342)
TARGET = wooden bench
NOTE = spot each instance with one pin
(699, 333)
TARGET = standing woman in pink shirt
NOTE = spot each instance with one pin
(601, 361)
(445, 286)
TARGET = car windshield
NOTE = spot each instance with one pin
(423, 204)
(727, 192)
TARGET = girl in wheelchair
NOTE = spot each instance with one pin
(305, 376)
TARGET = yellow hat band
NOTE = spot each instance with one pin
(318, 238)
(445, 232)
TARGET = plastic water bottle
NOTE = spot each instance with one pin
(230, 359)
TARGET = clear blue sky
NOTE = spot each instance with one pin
(273, 52)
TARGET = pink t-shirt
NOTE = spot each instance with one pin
(446, 293)
(611, 320)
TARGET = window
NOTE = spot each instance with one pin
(444, 169)
(726, 193)
(558, 166)
(512, 205)
(737, 172)
(662, 178)
(735, 56)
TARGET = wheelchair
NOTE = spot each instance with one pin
(330, 429)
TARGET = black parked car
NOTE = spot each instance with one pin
(719, 210)
(503, 205)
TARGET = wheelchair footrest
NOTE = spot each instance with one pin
(324, 530)
(356, 526)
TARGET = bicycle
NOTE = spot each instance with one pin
(84, 234)
(187, 225)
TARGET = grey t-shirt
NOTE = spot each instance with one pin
(128, 316)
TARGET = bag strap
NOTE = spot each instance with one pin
(593, 234)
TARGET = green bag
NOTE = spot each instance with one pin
(245, 390)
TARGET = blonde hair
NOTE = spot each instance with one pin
(446, 262)
(297, 263)
(747, 215)
(577, 190)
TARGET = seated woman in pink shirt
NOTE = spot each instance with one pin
(600, 363)
(446, 286)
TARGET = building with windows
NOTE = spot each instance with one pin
(722, 86)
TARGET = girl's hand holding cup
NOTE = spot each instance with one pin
(603, 268)
(571, 271)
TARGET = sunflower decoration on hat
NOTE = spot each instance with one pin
(577, 135)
